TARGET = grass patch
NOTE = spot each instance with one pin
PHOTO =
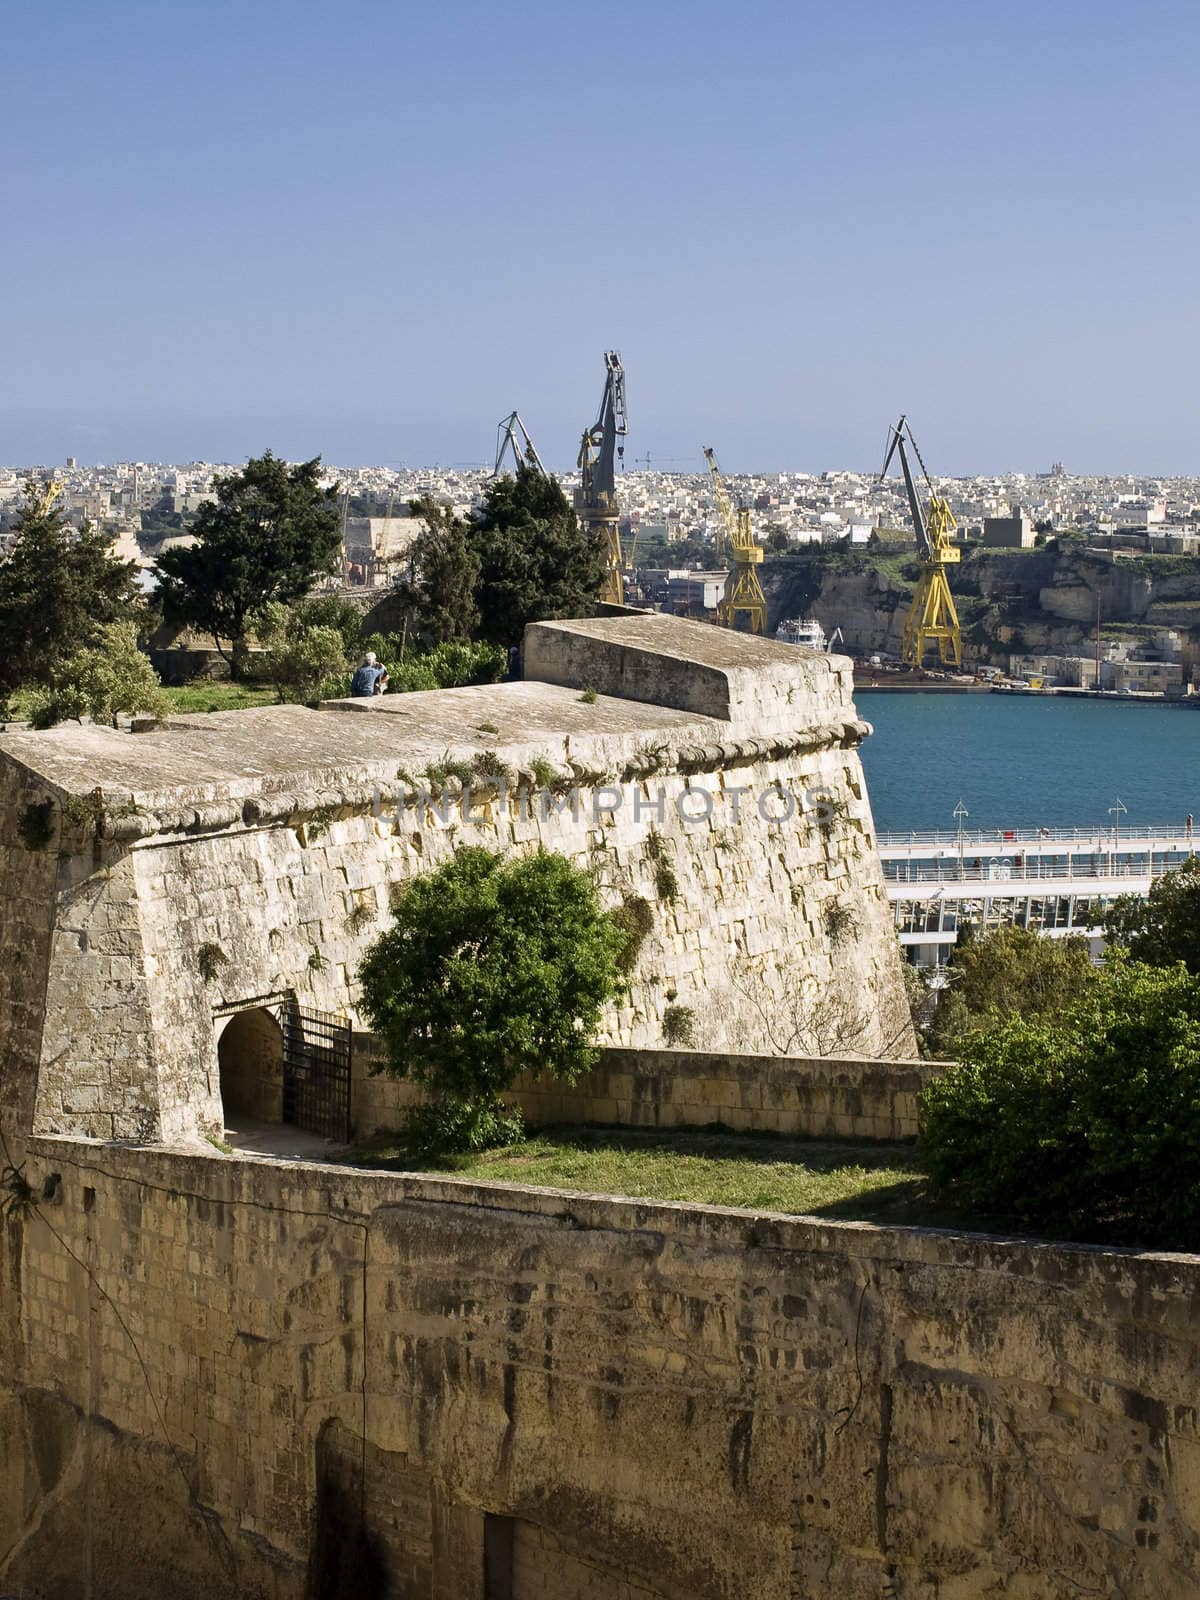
(218, 696)
(871, 1183)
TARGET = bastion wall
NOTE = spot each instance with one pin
(249, 858)
(818, 1097)
(225, 1377)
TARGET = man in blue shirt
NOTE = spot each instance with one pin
(368, 679)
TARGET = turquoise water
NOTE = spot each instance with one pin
(1020, 761)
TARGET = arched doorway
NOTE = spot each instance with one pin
(250, 1058)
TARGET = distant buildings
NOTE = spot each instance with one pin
(1158, 666)
(1014, 532)
(1124, 516)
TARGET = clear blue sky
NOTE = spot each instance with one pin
(370, 230)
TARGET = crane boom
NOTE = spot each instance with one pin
(44, 496)
(724, 504)
(932, 618)
(743, 592)
(596, 497)
(896, 446)
(512, 435)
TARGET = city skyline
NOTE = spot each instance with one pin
(232, 228)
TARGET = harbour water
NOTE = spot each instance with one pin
(1026, 762)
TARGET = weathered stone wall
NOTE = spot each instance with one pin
(740, 943)
(246, 858)
(737, 677)
(100, 1071)
(767, 935)
(840, 1097)
(215, 1363)
(28, 881)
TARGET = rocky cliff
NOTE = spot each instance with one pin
(1008, 600)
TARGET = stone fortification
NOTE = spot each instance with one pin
(822, 1097)
(214, 1371)
(247, 859)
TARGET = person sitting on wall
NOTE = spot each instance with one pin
(368, 679)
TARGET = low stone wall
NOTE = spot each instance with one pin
(831, 1097)
(182, 664)
(222, 1377)
(843, 1097)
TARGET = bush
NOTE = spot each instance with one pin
(99, 681)
(491, 968)
(457, 1127)
(301, 658)
(634, 917)
(1088, 1128)
(679, 1026)
(1007, 972)
(1164, 926)
(446, 666)
(330, 611)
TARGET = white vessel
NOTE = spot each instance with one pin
(806, 631)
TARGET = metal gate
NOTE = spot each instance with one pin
(316, 1071)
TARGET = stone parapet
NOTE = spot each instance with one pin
(841, 1097)
(223, 1364)
(806, 1097)
(734, 677)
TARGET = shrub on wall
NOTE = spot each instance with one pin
(1088, 1127)
(491, 968)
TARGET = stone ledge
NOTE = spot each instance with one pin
(317, 1186)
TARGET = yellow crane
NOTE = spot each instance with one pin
(743, 592)
(932, 618)
(42, 496)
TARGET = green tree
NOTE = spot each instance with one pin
(300, 655)
(1087, 1128)
(58, 590)
(1007, 972)
(1164, 926)
(99, 681)
(696, 553)
(443, 576)
(271, 531)
(331, 611)
(536, 561)
(491, 967)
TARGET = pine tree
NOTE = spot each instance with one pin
(536, 561)
(271, 531)
(443, 577)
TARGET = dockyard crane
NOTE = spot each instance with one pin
(46, 495)
(743, 592)
(932, 618)
(512, 435)
(596, 497)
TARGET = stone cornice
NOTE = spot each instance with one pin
(297, 806)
